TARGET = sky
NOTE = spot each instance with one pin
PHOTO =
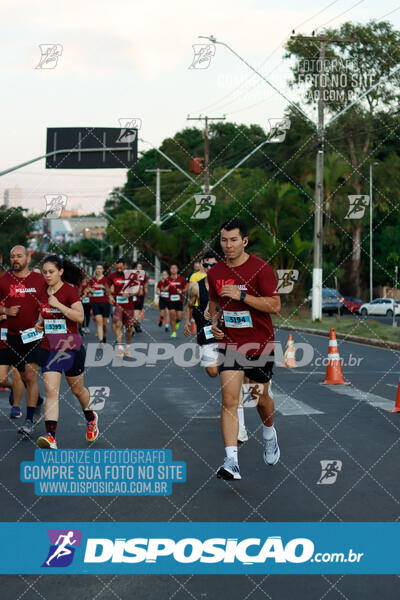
(131, 59)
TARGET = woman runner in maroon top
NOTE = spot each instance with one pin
(62, 350)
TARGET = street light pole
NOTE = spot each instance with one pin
(157, 221)
(371, 283)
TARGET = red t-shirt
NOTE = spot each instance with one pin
(25, 292)
(176, 287)
(96, 284)
(241, 323)
(122, 282)
(3, 325)
(67, 295)
(162, 286)
(141, 278)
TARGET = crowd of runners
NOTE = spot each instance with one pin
(45, 314)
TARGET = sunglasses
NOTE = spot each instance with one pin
(210, 264)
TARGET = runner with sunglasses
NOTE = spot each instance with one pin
(197, 307)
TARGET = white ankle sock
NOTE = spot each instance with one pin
(232, 452)
(268, 432)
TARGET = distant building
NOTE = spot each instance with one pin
(12, 197)
(73, 229)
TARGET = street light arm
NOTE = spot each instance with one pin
(172, 162)
(214, 41)
(134, 205)
(66, 151)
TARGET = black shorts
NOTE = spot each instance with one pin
(101, 308)
(260, 373)
(139, 302)
(70, 362)
(178, 305)
(19, 354)
(162, 303)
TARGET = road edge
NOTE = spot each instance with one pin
(344, 336)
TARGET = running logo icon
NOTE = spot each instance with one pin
(50, 53)
(54, 205)
(128, 131)
(278, 129)
(204, 204)
(286, 280)
(357, 206)
(98, 397)
(203, 53)
(62, 547)
(330, 471)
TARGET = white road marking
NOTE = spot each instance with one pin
(360, 395)
(288, 406)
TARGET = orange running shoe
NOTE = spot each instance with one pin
(47, 441)
(92, 431)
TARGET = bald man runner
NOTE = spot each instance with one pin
(20, 291)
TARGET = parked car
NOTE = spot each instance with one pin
(381, 306)
(351, 305)
(330, 300)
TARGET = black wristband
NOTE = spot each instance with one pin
(243, 296)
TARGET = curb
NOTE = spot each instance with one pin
(345, 336)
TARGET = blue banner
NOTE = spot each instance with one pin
(200, 548)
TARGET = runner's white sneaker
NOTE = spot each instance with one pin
(271, 452)
(120, 352)
(242, 435)
(229, 470)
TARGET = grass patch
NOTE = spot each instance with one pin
(352, 325)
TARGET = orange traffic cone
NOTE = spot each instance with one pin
(193, 328)
(334, 375)
(397, 405)
(290, 354)
(142, 314)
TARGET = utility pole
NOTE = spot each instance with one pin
(206, 148)
(157, 221)
(319, 172)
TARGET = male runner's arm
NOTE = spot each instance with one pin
(12, 311)
(266, 304)
(111, 294)
(193, 295)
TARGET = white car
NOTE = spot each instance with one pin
(381, 306)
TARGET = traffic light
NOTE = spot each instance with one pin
(196, 165)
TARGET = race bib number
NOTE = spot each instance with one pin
(3, 336)
(55, 326)
(30, 335)
(207, 332)
(122, 300)
(98, 293)
(164, 294)
(237, 318)
(85, 300)
(175, 297)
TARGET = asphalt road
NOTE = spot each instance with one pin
(169, 406)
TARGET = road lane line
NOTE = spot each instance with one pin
(360, 395)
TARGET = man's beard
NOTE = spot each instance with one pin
(18, 267)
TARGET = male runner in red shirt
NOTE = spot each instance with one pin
(21, 290)
(244, 287)
(177, 286)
